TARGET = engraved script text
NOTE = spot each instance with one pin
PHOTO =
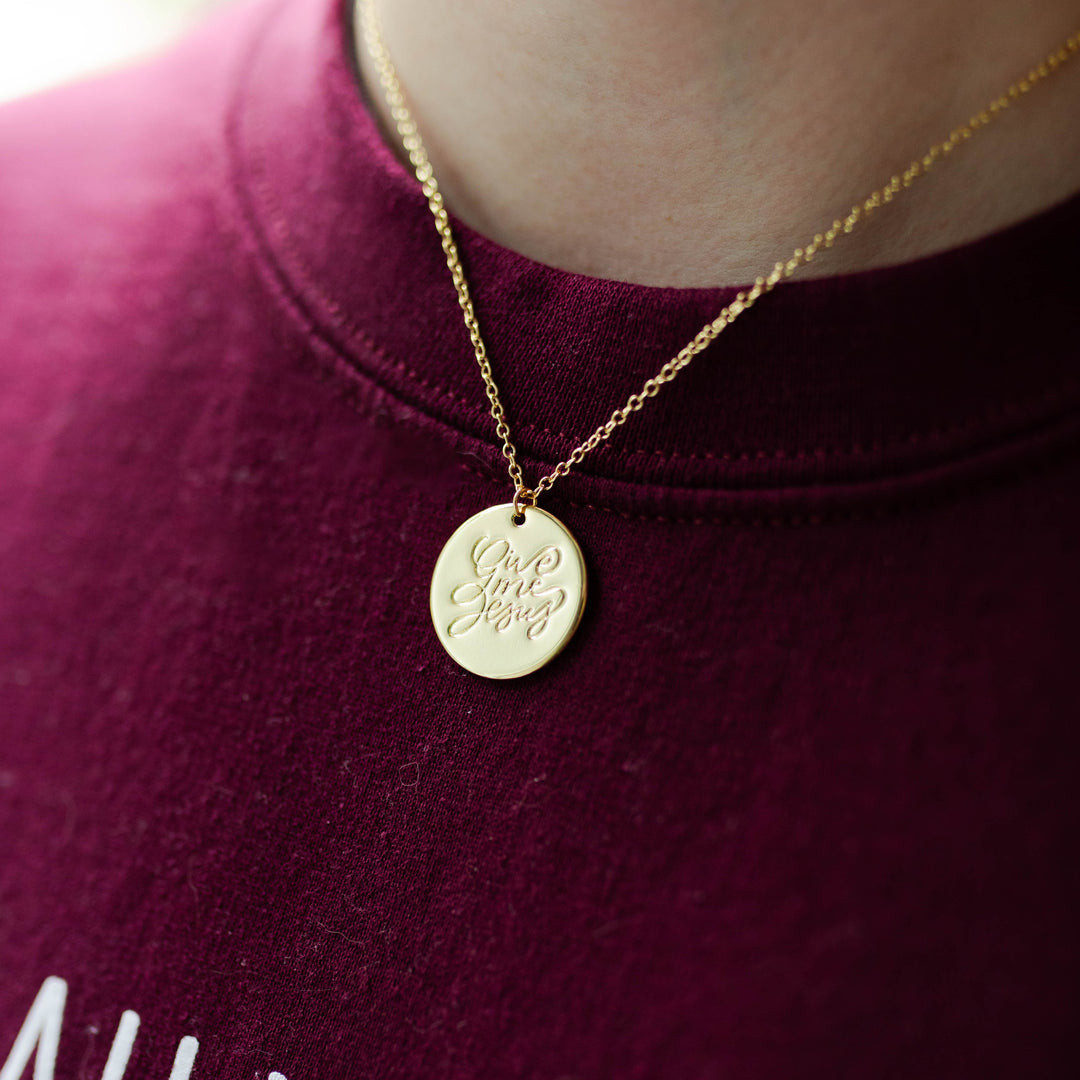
(508, 589)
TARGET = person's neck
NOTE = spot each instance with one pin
(696, 142)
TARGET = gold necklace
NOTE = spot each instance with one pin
(508, 589)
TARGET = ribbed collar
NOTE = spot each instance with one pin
(829, 392)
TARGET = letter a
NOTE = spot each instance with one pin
(40, 1031)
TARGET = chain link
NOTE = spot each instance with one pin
(744, 300)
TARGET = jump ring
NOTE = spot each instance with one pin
(524, 497)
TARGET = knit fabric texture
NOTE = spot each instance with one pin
(798, 799)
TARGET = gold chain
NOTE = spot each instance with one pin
(744, 300)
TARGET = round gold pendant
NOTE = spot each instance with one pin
(505, 598)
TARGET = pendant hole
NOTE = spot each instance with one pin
(518, 519)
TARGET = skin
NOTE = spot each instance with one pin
(695, 142)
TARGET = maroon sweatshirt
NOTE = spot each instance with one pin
(797, 801)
